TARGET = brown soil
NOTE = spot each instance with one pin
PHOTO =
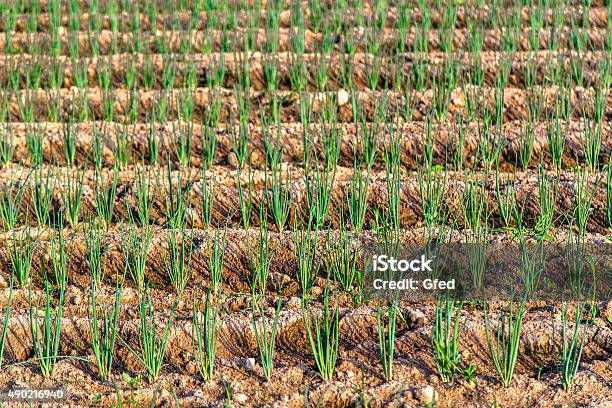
(597, 17)
(83, 5)
(237, 275)
(490, 63)
(196, 41)
(410, 136)
(226, 194)
(516, 102)
(294, 380)
(358, 379)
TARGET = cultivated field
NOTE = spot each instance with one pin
(188, 189)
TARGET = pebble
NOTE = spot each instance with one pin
(417, 317)
(343, 97)
(245, 363)
(240, 398)
(426, 395)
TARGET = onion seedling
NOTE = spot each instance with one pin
(205, 336)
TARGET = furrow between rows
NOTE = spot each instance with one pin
(106, 42)
(449, 188)
(471, 102)
(517, 143)
(286, 71)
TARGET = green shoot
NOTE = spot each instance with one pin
(72, 195)
(135, 251)
(445, 338)
(42, 195)
(386, 337)
(93, 243)
(279, 195)
(343, 261)
(323, 336)
(178, 261)
(532, 264)
(146, 189)
(305, 252)
(10, 201)
(46, 339)
(261, 262)
(547, 197)
(5, 320)
(504, 341)
(319, 186)
(432, 188)
(209, 142)
(392, 159)
(265, 338)
(205, 337)
(207, 197)
(571, 346)
(21, 254)
(103, 329)
(556, 136)
(584, 194)
(104, 193)
(357, 197)
(177, 200)
(506, 199)
(152, 348)
(245, 199)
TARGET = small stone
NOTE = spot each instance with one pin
(343, 97)
(244, 363)
(240, 398)
(417, 317)
(251, 363)
(426, 395)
